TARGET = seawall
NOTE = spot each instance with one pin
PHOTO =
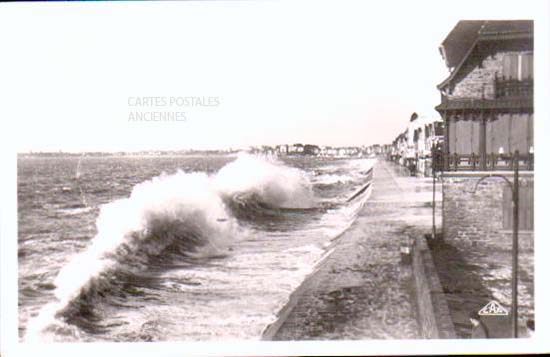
(434, 317)
(363, 289)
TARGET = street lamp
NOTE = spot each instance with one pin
(514, 186)
(437, 165)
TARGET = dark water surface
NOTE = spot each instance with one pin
(173, 248)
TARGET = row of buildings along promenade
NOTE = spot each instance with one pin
(484, 129)
(323, 151)
(413, 147)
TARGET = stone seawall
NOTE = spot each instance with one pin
(433, 313)
(362, 290)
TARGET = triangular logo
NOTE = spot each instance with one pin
(493, 308)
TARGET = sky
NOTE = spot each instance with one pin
(81, 77)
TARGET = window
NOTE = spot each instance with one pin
(416, 135)
(439, 129)
(518, 66)
(525, 210)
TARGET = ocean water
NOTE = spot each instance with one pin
(174, 248)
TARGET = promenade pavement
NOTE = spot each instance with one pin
(362, 290)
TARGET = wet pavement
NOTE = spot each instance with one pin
(362, 290)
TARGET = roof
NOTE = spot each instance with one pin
(504, 27)
(423, 120)
(465, 36)
(458, 41)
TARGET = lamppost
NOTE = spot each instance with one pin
(433, 190)
(437, 165)
(514, 186)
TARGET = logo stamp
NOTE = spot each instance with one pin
(493, 308)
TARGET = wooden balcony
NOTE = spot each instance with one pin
(492, 162)
(499, 104)
(513, 88)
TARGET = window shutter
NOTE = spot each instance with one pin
(439, 129)
(526, 66)
(526, 205)
(511, 66)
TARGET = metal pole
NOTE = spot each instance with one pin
(433, 196)
(515, 201)
(515, 197)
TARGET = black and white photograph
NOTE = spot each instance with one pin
(273, 177)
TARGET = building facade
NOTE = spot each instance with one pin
(413, 147)
(424, 132)
(487, 110)
(487, 100)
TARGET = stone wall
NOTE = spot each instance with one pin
(476, 219)
(433, 313)
(476, 79)
(473, 223)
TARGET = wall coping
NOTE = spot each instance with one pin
(485, 173)
(439, 311)
(520, 231)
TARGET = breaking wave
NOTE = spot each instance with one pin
(169, 220)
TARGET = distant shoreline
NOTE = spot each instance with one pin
(128, 154)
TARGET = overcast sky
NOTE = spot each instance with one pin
(326, 73)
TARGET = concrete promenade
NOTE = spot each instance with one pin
(362, 291)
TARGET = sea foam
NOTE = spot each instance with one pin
(184, 200)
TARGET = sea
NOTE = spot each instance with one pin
(174, 248)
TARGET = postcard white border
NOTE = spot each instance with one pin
(9, 344)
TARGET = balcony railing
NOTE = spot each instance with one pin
(493, 162)
(513, 88)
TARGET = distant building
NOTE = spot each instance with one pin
(281, 149)
(425, 132)
(330, 151)
(399, 148)
(311, 150)
(386, 149)
(413, 147)
(296, 149)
